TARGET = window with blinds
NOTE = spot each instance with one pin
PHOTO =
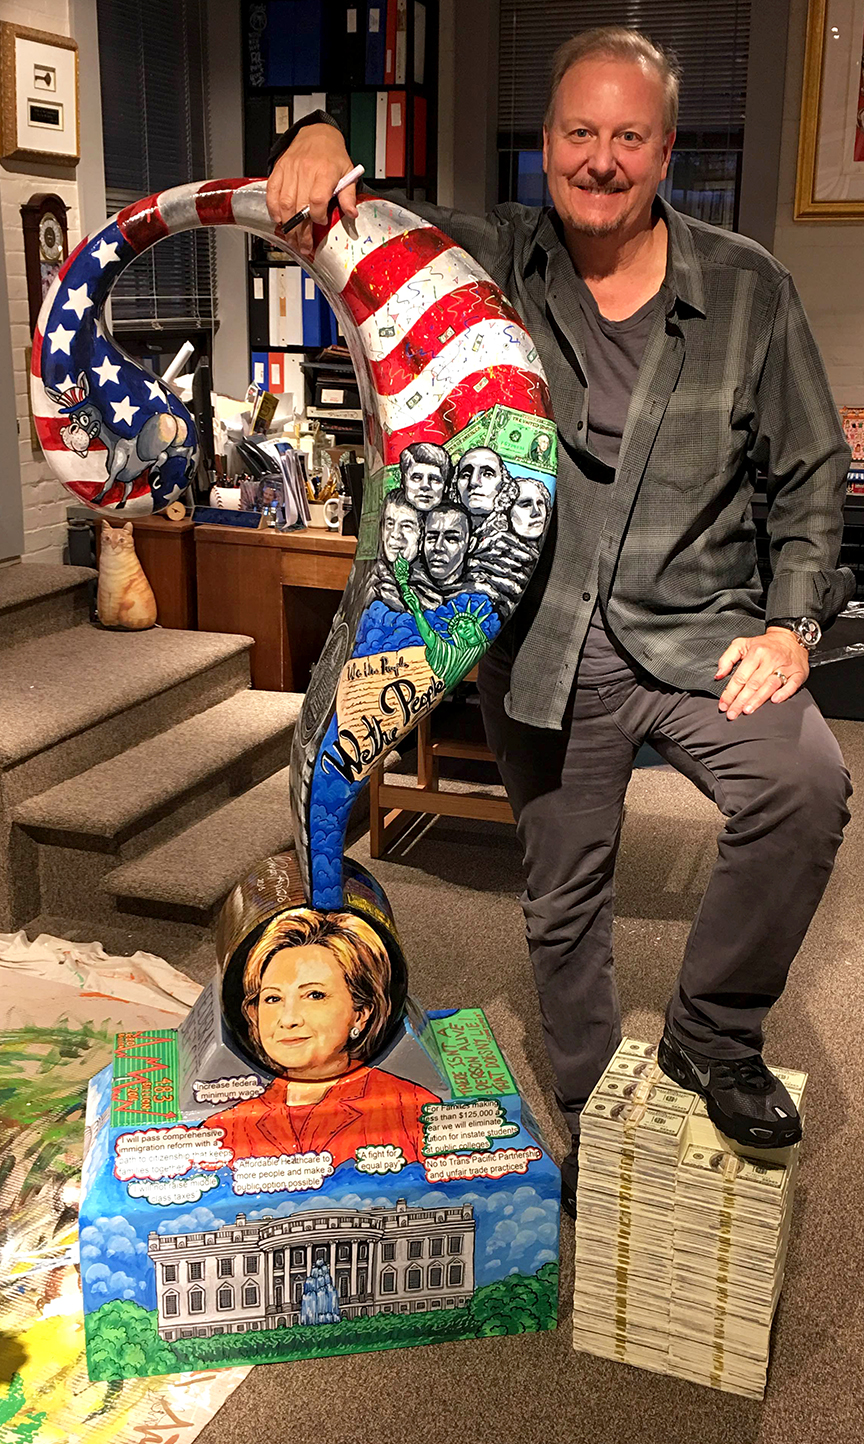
(155, 126)
(710, 39)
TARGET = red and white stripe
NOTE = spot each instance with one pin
(432, 338)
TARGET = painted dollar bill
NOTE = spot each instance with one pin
(531, 440)
(475, 434)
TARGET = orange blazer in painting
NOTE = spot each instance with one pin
(367, 1106)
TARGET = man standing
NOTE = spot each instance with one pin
(679, 361)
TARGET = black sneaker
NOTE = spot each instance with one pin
(743, 1098)
(570, 1179)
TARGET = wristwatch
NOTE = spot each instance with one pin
(808, 632)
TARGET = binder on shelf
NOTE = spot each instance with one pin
(257, 135)
(293, 43)
(338, 105)
(259, 314)
(346, 35)
(363, 106)
(275, 373)
(281, 116)
(381, 134)
(305, 104)
(375, 41)
(420, 150)
(390, 48)
(319, 322)
(337, 394)
(401, 58)
(261, 369)
(285, 306)
(308, 30)
(395, 152)
(419, 42)
(278, 44)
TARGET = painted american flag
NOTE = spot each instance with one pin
(432, 338)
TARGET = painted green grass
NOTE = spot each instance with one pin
(122, 1340)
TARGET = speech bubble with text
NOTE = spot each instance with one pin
(449, 1127)
(227, 1090)
(174, 1190)
(481, 1165)
(379, 1158)
(153, 1153)
(289, 1173)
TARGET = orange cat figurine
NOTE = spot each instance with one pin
(125, 598)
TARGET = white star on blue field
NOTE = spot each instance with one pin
(74, 341)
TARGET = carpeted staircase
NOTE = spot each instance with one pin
(138, 771)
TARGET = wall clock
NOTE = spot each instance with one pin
(45, 247)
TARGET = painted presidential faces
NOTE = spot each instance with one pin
(530, 510)
(446, 542)
(400, 529)
(424, 486)
(426, 470)
(606, 149)
(315, 994)
(479, 476)
(454, 544)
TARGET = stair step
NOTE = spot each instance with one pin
(58, 686)
(31, 581)
(102, 807)
(37, 599)
(191, 874)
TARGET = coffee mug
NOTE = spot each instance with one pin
(334, 510)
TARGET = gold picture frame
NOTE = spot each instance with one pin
(23, 146)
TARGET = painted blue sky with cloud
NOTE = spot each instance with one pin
(516, 1225)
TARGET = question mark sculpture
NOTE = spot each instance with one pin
(460, 452)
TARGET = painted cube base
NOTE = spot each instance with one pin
(680, 1241)
(414, 1204)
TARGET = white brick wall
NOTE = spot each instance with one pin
(825, 258)
(45, 500)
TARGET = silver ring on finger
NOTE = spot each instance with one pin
(782, 675)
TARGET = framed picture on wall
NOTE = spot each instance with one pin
(830, 182)
(38, 95)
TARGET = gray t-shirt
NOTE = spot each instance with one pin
(613, 352)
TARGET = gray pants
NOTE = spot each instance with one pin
(778, 777)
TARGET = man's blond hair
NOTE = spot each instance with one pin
(616, 42)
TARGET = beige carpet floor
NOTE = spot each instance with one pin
(454, 889)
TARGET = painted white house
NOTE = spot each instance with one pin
(249, 1276)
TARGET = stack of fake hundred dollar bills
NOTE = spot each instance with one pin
(680, 1241)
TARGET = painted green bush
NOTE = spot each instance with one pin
(122, 1339)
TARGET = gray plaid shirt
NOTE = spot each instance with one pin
(731, 381)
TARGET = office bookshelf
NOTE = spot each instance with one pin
(373, 66)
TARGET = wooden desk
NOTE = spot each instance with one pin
(166, 551)
(282, 588)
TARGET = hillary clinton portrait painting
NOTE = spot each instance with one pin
(316, 1006)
